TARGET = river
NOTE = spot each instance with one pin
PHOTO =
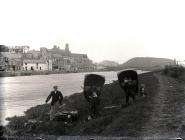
(17, 94)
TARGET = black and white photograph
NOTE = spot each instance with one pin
(92, 69)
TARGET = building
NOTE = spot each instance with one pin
(81, 62)
(2, 63)
(21, 58)
(64, 60)
(37, 65)
(12, 61)
(11, 57)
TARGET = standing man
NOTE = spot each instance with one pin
(92, 96)
(128, 86)
(57, 98)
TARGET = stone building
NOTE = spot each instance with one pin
(37, 65)
(11, 57)
(35, 61)
(21, 58)
(64, 60)
(82, 62)
(12, 61)
(3, 63)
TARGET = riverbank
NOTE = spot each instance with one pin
(113, 122)
(160, 115)
(21, 73)
(29, 73)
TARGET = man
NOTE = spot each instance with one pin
(93, 98)
(57, 98)
(128, 86)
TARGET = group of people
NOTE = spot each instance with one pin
(92, 95)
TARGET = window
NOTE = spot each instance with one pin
(32, 68)
(84, 56)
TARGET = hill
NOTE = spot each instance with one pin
(147, 63)
(108, 63)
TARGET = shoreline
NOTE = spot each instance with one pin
(30, 73)
(77, 101)
(72, 93)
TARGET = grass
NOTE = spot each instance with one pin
(175, 71)
(112, 122)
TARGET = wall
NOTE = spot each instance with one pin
(43, 66)
(50, 65)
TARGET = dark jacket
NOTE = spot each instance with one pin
(55, 97)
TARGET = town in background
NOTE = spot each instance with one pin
(23, 59)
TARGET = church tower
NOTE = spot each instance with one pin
(67, 49)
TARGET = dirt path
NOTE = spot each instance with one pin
(167, 118)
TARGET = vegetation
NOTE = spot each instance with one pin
(175, 71)
(112, 122)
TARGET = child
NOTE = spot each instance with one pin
(142, 90)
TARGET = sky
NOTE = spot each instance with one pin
(104, 29)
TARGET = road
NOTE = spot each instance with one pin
(167, 118)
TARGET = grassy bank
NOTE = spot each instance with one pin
(112, 122)
(175, 71)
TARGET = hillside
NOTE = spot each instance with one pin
(147, 63)
(108, 63)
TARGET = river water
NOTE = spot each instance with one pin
(17, 94)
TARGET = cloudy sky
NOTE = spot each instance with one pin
(104, 29)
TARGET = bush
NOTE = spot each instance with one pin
(175, 71)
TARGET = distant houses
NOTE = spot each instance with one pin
(20, 58)
(11, 59)
(37, 65)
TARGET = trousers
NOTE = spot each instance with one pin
(53, 110)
